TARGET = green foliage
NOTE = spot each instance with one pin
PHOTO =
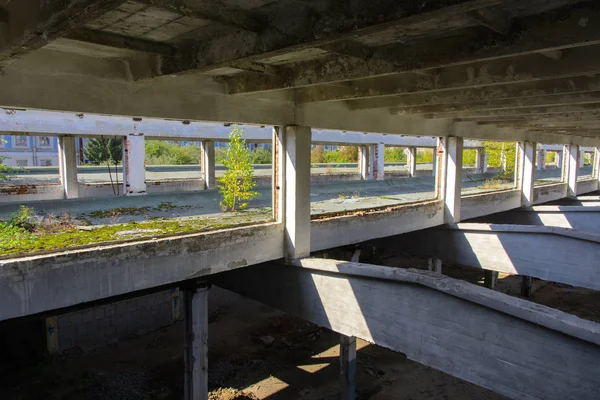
(98, 150)
(5, 170)
(469, 157)
(261, 156)
(163, 153)
(394, 154)
(237, 183)
(317, 155)
(425, 156)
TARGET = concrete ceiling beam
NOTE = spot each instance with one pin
(538, 36)
(211, 10)
(121, 42)
(306, 33)
(32, 24)
(560, 109)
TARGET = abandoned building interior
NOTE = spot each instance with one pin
(442, 77)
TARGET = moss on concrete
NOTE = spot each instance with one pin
(75, 237)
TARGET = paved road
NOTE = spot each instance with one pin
(325, 198)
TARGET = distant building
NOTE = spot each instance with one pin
(29, 151)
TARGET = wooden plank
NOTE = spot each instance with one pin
(505, 344)
(549, 253)
(34, 23)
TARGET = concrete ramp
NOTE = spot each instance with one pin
(516, 348)
(550, 253)
(580, 217)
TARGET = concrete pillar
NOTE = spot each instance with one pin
(207, 164)
(541, 159)
(51, 328)
(481, 158)
(378, 161)
(134, 165)
(434, 163)
(434, 265)
(371, 149)
(596, 173)
(559, 159)
(571, 154)
(363, 162)
(490, 278)
(581, 162)
(347, 367)
(278, 173)
(452, 177)
(526, 286)
(67, 165)
(503, 160)
(196, 344)
(297, 192)
(527, 162)
(411, 160)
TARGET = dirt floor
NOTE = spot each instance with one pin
(257, 352)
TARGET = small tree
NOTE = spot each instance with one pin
(237, 183)
(317, 155)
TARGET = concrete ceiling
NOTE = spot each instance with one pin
(512, 64)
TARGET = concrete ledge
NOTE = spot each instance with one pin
(36, 284)
(477, 205)
(551, 192)
(587, 186)
(359, 226)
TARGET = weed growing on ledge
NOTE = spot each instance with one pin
(24, 233)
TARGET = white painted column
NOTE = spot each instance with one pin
(541, 159)
(379, 162)
(559, 159)
(195, 355)
(297, 192)
(581, 162)
(67, 165)
(571, 154)
(372, 149)
(363, 162)
(207, 164)
(347, 367)
(411, 160)
(527, 151)
(434, 163)
(452, 176)
(278, 174)
(596, 173)
(134, 164)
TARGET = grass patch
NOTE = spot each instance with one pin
(23, 234)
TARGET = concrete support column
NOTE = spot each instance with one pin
(207, 164)
(526, 167)
(347, 367)
(278, 173)
(411, 161)
(372, 149)
(526, 286)
(434, 163)
(571, 154)
(195, 357)
(596, 173)
(434, 265)
(363, 162)
(481, 158)
(378, 161)
(541, 159)
(451, 176)
(559, 159)
(51, 328)
(134, 164)
(581, 162)
(490, 278)
(67, 165)
(503, 161)
(297, 192)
